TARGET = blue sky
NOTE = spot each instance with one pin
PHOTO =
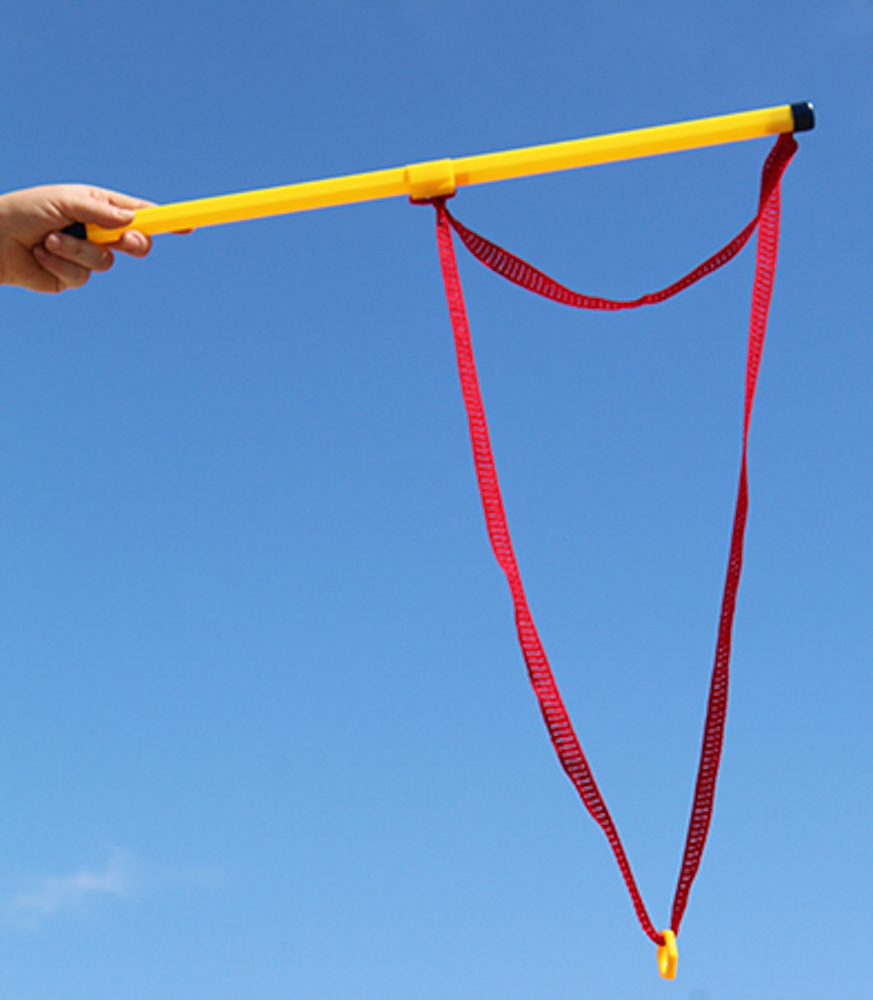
(264, 728)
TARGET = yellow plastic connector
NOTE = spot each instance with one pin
(668, 956)
(434, 179)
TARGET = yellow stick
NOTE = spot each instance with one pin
(441, 177)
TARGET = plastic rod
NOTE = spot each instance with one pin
(441, 177)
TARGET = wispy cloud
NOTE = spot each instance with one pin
(120, 876)
(56, 895)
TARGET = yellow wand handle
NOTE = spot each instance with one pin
(437, 178)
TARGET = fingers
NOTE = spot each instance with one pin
(80, 252)
(70, 261)
(134, 243)
(120, 200)
(110, 210)
(56, 273)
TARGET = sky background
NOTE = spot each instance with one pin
(264, 728)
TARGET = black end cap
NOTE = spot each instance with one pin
(81, 233)
(804, 116)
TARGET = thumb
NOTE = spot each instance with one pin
(107, 209)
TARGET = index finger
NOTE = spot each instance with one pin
(120, 200)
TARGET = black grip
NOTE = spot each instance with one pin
(78, 230)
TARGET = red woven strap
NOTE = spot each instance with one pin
(716, 711)
(521, 273)
(554, 712)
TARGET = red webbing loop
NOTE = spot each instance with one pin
(521, 273)
(554, 712)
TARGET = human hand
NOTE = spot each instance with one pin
(36, 254)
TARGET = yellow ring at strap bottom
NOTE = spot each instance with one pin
(668, 956)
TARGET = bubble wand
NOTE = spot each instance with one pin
(439, 178)
(436, 180)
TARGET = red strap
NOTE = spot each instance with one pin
(713, 734)
(521, 273)
(555, 714)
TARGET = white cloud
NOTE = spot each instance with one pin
(55, 895)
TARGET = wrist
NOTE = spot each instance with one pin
(4, 238)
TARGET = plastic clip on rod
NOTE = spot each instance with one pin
(438, 178)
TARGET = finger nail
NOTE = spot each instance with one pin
(53, 241)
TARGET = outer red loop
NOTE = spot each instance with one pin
(554, 712)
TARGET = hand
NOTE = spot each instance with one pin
(36, 254)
